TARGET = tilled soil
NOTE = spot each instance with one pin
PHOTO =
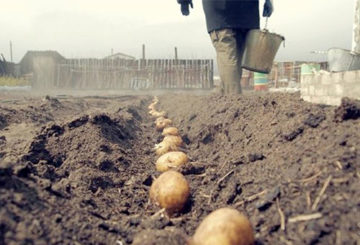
(78, 170)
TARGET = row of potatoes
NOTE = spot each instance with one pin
(170, 191)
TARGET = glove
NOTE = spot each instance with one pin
(185, 6)
(268, 8)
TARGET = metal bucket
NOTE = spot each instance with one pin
(260, 50)
(343, 60)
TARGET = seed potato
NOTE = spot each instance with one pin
(172, 139)
(164, 147)
(225, 226)
(160, 125)
(171, 160)
(170, 191)
(170, 131)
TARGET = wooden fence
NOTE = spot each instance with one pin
(134, 74)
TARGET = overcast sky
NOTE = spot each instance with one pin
(89, 28)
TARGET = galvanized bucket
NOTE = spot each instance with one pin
(260, 50)
(343, 60)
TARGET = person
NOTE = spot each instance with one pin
(228, 22)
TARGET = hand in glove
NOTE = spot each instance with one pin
(185, 6)
(268, 8)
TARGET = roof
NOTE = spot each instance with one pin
(31, 54)
(120, 56)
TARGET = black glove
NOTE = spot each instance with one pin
(185, 6)
(268, 8)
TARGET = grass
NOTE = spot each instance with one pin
(13, 81)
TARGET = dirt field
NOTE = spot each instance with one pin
(77, 170)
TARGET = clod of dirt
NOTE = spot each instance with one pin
(186, 139)
(78, 122)
(134, 113)
(253, 157)
(54, 130)
(53, 102)
(100, 119)
(108, 166)
(192, 117)
(207, 138)
(157, 223)
(192, 169)
(22, 170)
(268, 200)
(105, 148)
(148, 180)
(3, 122)
(160, 237)
(2, 140)
(314, 120)
(103, 182)
(294, 134)
(349, 109)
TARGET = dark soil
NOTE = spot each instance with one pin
(78, 170)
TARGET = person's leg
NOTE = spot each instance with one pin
(226, 47)
(241, 44)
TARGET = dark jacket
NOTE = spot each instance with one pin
(235, 14)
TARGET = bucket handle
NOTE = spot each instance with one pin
(266, 23)
(266, 28)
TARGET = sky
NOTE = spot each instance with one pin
(89, 28)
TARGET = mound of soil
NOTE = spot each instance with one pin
(270, 152)
(80, 170)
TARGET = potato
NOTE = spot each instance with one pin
(160, 125)
(225, 226)
(171, 160)
(152, 106)
(164, 147)
(170, 131)
(157, 113)
(159, 119)
(172, 139)
(170, 191)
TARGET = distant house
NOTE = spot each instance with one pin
(41, 66)
(119, 56)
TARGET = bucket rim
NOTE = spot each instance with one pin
(342, 49)
(256, 70)
(267, 31)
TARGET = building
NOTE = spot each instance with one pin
(119, 56)
(41, 66)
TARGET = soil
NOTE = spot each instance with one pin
(77, 170)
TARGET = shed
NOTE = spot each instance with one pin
(42, 65)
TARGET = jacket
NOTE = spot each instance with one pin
(234, 14)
